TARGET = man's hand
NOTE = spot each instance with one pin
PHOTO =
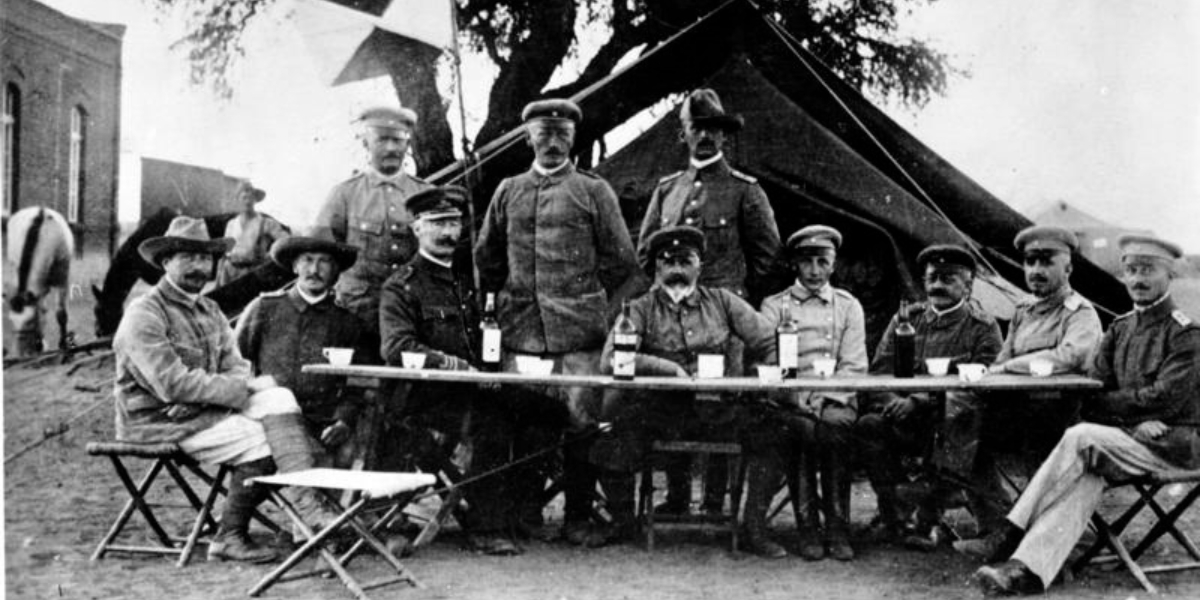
(261, 383)
(182, 412)
(1149, 430)
(335, 435)
(997, 368)
(899, 408)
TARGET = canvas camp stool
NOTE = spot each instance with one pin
(1165, 522)
(660, 449)
(164, 457)
(369, 485)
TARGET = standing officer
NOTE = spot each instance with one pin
(831, 326)
(367, 211)
(555, 248)
(1144, 421)
(429, 306)
(1057, 325)
(950, 325)
(740, 235)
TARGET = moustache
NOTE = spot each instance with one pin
(937, 293)
(1140, 287)
(446, 241)
(675, 278)
(195, 274)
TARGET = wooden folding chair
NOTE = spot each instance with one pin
(369, 485)
(170, 458)
(665, 448)
(1109, 534)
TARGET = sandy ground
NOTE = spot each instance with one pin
(59, 502)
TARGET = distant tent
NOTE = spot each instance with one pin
(1097, 238)
(823, 153)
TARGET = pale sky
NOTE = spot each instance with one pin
(1092, 102)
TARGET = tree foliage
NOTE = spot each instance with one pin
(528, 40)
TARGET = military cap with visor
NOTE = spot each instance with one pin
(1148, 246)
(814, 239)
(387, 117)
(672, 240)
(702, 108)
(1040, 239)
(184, 234)
(947, 255)
(552, 108)
(441, 202)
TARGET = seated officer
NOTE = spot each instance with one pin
(282, 331)
(430, 306)
(1145, 420)
(677, 320)
(950, 325)
(831, 326)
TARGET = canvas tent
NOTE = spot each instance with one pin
(822, 152)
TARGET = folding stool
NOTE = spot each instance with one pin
(170, 458)
(1108, 534)
(646, 502)
(369, 485)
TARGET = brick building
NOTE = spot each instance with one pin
(61, 83)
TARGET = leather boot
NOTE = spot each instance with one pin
(679, 486)
(716, 480)
(807, 507)
(293, 449)
(619, 489)
(835, 503)
(233, 541)
(762, 479)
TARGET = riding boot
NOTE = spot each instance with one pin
(835, 503)
(806, 504)
(619, 488)
(716, 479)
(762, 480)
(233, 541)
(293, 449)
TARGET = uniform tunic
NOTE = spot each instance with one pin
(252, 243)
(367, 211)
(1063, 329)
(831, 326)
(739, 227)
(426, 307)
(172, 348)
(280, 332)
(556, 249)
(1149, 362)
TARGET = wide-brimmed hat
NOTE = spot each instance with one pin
(184, 234)
(245, 186)
(702, 108)
(284, 251)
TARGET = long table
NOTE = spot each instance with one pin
(858, 383)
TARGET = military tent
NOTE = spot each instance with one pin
(823, 153)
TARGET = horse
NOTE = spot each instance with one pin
(40, 247)
(128, 267)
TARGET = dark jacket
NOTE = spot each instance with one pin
(1149, 362)
(428, 308)
(279, 333)
(739, 227)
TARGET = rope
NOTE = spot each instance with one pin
(62, 428)
(970, 242)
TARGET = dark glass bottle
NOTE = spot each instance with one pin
(904, 344)
(490, 350)
(625, 344)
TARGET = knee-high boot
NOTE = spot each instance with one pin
(762, 480)
(293, 449)
(835, 503)
(233, 541)
(806, 504)
(619, 490)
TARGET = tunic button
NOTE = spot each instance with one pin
(697, 184)
(666, 220)
(395, 247)
(826, 354)
(690, 220)
(689, 332)
(722, 221)
(695, 202)
(394, 267)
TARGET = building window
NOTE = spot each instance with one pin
(76, 172)
(11, 121)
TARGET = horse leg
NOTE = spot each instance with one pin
(65, 339)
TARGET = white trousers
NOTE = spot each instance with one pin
(1055, 508)
(240, 438)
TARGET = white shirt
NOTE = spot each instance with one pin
(544, 172)
(700, 164)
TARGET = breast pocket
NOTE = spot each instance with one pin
(441, 324)
(367, 235)
(720, 234)
(191, 356)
